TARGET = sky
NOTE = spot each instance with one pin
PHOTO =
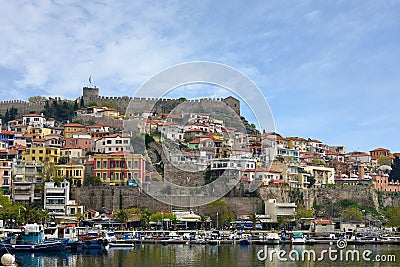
(329, 70)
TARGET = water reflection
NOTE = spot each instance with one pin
(192, 255)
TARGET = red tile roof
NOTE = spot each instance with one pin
(32, 115)
(73, 125)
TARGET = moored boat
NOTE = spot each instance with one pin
(298, 238)
(30, 239)
(272, 239)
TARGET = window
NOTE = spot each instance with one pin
(98, 164)
(104, 176)
(108, 142)
(135, 175)
(104, 164)
(136, 164)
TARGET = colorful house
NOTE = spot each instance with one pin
(42, 154)
(119, 168)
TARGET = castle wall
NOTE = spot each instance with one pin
(22, 106)
(138, 105)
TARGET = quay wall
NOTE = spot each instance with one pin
(115, 198)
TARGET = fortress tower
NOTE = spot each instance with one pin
(90, 93)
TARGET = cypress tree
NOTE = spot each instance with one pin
(395, 173)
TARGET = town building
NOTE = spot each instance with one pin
(112, 143)
(71, 128)
(27, 183)
(35, 120)
(378, 152)
(275, 210)
(119, 168)
(42, 154)
(5, 177)
(71, 171)
(57, 201)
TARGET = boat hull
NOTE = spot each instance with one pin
(56, 246)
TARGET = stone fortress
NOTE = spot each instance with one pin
(162, 105)
(91, 94)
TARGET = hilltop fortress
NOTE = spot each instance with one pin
(91, 94)
(162, 105)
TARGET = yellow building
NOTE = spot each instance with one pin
(322, 175)
(73, 171)
(42, 154)
(119, 168)
(111, 112)
(71, 128)
(38, 132)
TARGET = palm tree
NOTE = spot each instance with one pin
(145, 217)
(123, 217)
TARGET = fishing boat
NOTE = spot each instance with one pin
(30, 239)
(92, 239)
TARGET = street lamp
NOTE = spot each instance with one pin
(217, 221)
(162, 221)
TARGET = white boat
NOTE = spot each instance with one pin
(273, 239)
(122, 243)
(298, 239)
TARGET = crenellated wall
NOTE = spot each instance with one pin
(22, 106)
(159, 105)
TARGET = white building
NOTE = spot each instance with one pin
(35, 120)
(275, 209)
(112, 143)
(57, 202)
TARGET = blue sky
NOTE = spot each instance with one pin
(329, 69)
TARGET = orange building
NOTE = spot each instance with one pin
(378, 152)
(71, 128)
(381, 181)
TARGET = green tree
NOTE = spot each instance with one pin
(76, 107)
(304, 213)
(393, 216)
(395, 173)
(383, 160)
(107, 104)
(82, 102)
(145, 217)
(37, 99)
(123, 217)
(92, 180)
(92, 104)
(63, 160)
(311, 180)
(352, 213)
(225, 215)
